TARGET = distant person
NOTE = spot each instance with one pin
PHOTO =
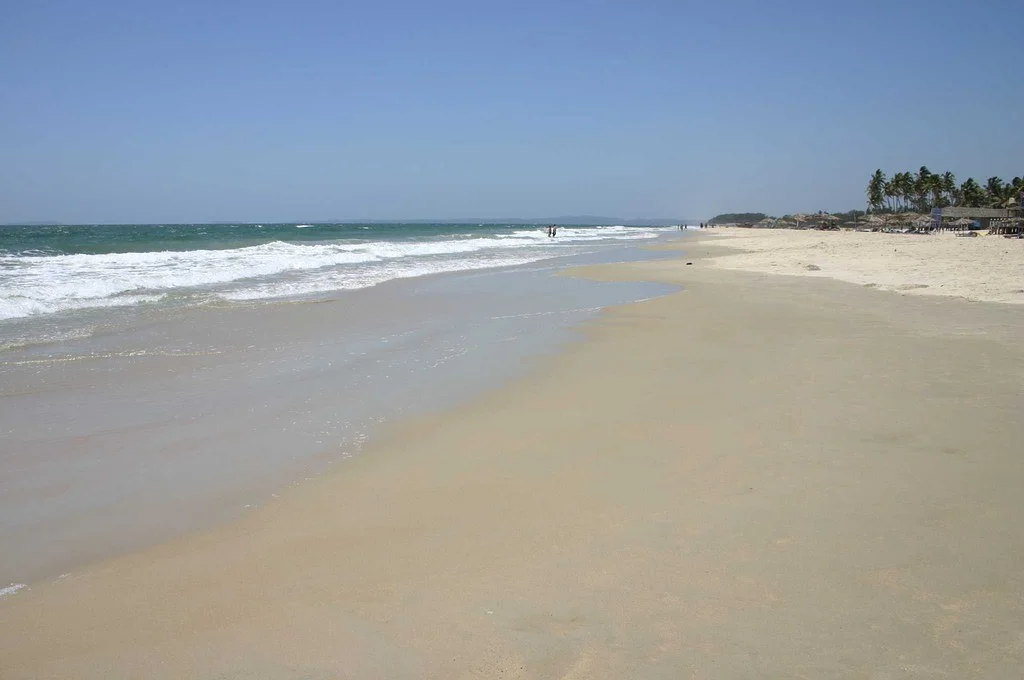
(554, 230)
(549, 231)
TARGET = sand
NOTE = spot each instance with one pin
(758, 476)
(989, 268)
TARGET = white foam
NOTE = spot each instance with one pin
(11, 589)
(365, 277)
(36, 285)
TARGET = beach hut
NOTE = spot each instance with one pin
(962, 224)
(922, 222)
(1011, 227)
(798, 218)
(826, 220)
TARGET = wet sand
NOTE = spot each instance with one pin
(184, 419)
(759, 476)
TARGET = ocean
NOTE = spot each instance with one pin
(156, 380)
(58, 269)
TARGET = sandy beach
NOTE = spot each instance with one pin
(987, 268)
(759, 476)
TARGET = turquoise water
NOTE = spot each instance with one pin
(139, 238)
(49, 270)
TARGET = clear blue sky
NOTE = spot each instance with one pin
(140, 111)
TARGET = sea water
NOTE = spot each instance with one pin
(154, 380)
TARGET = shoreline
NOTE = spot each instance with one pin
(164, 428)
(756, 476)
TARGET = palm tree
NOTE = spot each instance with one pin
(876, 190)
(891, 193)
(972, 195)
(937, 184)
(1016, 190)
(922, 187)
(905, 184)
(949, 187)
(994, 189)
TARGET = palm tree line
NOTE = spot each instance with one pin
(924, 190)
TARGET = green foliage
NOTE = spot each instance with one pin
(737, 218)
(876, 190)
(972, 195)
(924, 190)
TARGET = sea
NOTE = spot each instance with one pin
(159, 379)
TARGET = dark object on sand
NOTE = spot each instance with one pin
(689, 263)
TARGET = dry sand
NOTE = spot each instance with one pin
(757, 477)
(989, 268)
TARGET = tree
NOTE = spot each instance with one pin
(938, 196)
(949, 188)
(892, 192)
(972, 194)
(905, 186)
(1016, 190)
(922, 187)
(995, 189)
(876, 190)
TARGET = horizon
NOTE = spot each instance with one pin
(587, 220)
(130, 114)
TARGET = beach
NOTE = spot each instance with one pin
(986, 268)
(151, 392)
(755, 476)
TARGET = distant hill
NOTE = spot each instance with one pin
(737, 218)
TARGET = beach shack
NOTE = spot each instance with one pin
(953, 216)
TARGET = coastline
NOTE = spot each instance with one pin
(756, 476)
(176, 422)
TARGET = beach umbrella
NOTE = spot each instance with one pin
(922, 221)
(826, 217)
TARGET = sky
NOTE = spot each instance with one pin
(137, 111)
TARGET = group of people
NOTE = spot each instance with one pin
(703, 225)
(552, 230)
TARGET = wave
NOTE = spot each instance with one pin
(364, 277)
(42, 284)
(11, 589)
